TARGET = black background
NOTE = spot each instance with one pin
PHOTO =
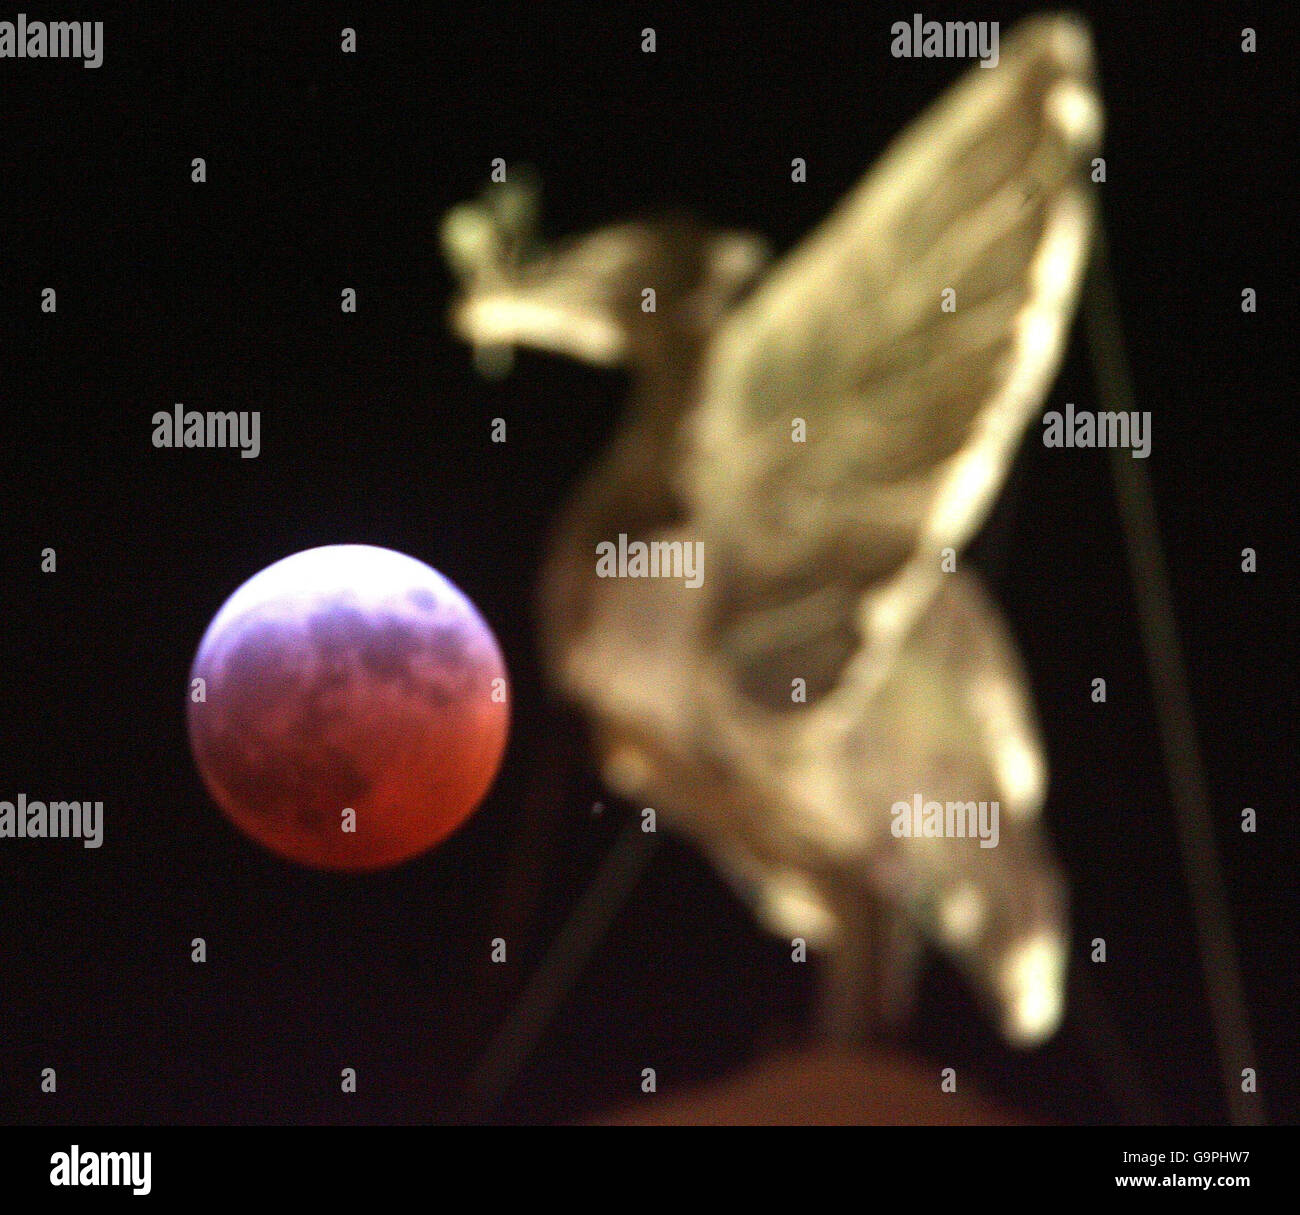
(328, 171)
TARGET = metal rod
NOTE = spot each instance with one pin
(1177, 728)
(563, 963)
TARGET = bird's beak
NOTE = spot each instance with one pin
(550, 316)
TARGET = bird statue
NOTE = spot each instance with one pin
(755, 597)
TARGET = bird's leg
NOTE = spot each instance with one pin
(867, 979)
(848, 981)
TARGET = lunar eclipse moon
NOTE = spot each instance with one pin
(348, 678)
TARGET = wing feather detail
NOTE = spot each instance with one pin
(912, 414)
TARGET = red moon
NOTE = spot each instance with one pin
(344, 678)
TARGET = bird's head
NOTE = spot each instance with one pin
(606, 298)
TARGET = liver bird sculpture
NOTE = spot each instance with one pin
(754, 597)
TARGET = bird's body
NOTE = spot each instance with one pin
(825, 436)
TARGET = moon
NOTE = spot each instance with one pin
(348, 678)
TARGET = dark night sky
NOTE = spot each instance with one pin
(327, 171)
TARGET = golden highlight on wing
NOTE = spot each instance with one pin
(914, 333)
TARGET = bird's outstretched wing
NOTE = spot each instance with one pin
(912, 336)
